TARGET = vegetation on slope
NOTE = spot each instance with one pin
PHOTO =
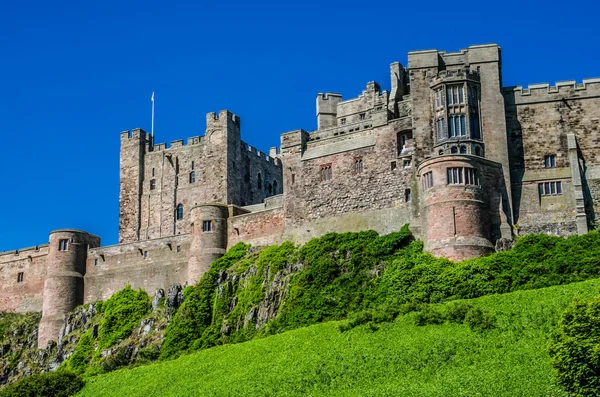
(255, 292)
(399, 358)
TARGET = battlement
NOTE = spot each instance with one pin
(222, 117)
(473, 54)
(136, 133)
(18, 254)
(179, 143)
(262, 155)
(561, 90)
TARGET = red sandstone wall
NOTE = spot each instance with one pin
(257, 228)
(27, 295)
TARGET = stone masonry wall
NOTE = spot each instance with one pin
(539, 119)
(149, 265)
(27, 295)
(257, 228)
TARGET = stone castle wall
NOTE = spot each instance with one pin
(365, 167)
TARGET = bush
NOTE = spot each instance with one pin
(429, 315)
(82, 354)
(575, 349)
(122, 313)
(479, 321)
(49, 384)
(457, 311)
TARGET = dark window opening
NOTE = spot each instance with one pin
(259, 181)
(193, 164)
(206, 226)
(152, 171)
(550, 161)
(407, 195)
(274, 187)
(406, 163)
(63, 244)
(246, 174)
(20, 277)
(363, 116)
(152, 184)
(453, 150)
(193, 177)
(428, 180)
(462, 175)
(326, 173)
(550, 188)
(293, 178)
(178, 248)
(270, 189)
(463, 150)
(179, 212)
(145, 254)
(393, 166)
(358, 166)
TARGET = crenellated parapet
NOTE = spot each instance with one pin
(562, 90)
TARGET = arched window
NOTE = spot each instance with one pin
(274, 187)
(259, 181)
(477, 151)
(463, 150)
(270, 189)
(441, 152)
(179, 212)
(454, 150)
(193, 177)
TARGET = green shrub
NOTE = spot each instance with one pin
(82, 354)
(575, 349)
(196, 312)
(49, 384)
(429, 315)
(479, 321)
(122, 313)
(457, 311)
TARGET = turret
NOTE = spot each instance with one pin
(133, 149)
(63, 287)
(327, 109)
(461, 205)
(209, 238)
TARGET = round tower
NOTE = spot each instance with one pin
(63, 286)
(455, 207)
(209, 238)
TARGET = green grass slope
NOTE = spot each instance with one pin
(398, 359)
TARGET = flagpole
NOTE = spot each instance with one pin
(152, 130)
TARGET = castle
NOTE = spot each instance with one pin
(466, 162)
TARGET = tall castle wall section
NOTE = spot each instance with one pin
(216, 167)
(352, 175)
(22, 274)
(540, 119)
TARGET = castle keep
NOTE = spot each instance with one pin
(466, 162)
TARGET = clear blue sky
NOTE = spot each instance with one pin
(73, 74)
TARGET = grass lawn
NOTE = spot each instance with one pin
(397, 359)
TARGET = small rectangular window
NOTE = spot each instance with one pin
(406, 163)
(178, 248)
(363, 116)
(550, 161)
(343, 121)
(206, 226)
(428, 180)
(63, 244)
(95, 262)
(145, 254)
(394, 165)
(152, 184)
(293, 178)
(407, 195)
(152, 171)
(358, 166)
(326, 172)
(550, 188)
(193, 177)
(193, 165)
(20, 277)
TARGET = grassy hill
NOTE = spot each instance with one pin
(388, 359)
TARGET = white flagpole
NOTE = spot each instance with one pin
(152, 131)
